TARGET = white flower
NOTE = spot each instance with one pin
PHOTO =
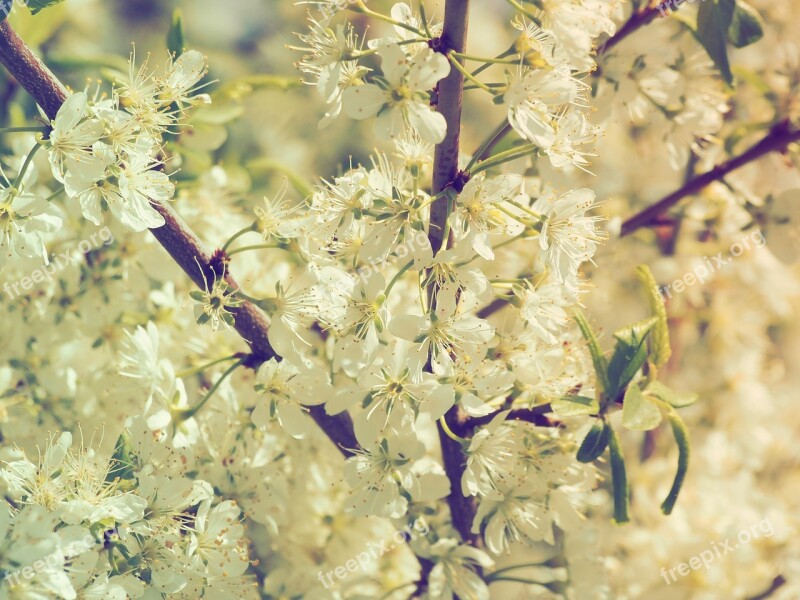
(218, 539)
(72, 135)
(543, 307)
(403, 99)
(494, 458)
(24, 219)
(292, 310)
(284, 388)
(181, 77)
(139, 359)
(568, 236)
(477, 215)
(454, 572)
(380, 473)
(535, 97)
(441, 335)
(139, 184)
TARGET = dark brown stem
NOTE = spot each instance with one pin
(638, 20)
(451, 92)
(175, 236)
(445, 172)
(537, 416)
(777, 140)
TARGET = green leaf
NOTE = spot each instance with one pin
(638, 412)
(681, 434)
(598, 358)
(619, 479)
(176, 41)
(659, 340)
(714, 18)
(595, 442)
(660, 391)
(572, 406)
(747, 26)
(629, 355)
(36, 5)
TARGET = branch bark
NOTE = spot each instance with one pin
(777, 140)
(175, 236)
(445, 171)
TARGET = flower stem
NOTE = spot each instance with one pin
(199, 369)
(238, 234)
(455, 62)
(190, 412)
(25, 165)
(254, 247)
(397, 276)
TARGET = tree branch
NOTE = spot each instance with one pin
(637, 20)
(175, 236)
(445, 172)
(777, 140)
(536, 415)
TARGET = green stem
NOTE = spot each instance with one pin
(360, 7)
(483, 59)
(467, 75)
(26, 164)
(193, 370)
(450, 434)
(397, 277)
(525, 11)
(503, 157)
(239, 234)
(254, 247)
(190, 412)
(499, 133)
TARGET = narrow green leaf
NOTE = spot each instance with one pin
(714, 17)
(595, 442)
(598, 358)
(571, 406)
(747, 26)
(660, 391)
(659, 340)
(629, 355)
(176, 41)
(681, 434)
(619, 479)
(36, 5)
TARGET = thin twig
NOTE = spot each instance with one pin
(777, 140)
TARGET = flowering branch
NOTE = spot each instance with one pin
(445, 174)
(175, 236)
(777, 140)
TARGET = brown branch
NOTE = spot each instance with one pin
(445, 173)
(777, 140)
(537, 416)
(637, 20)
(175, 236)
